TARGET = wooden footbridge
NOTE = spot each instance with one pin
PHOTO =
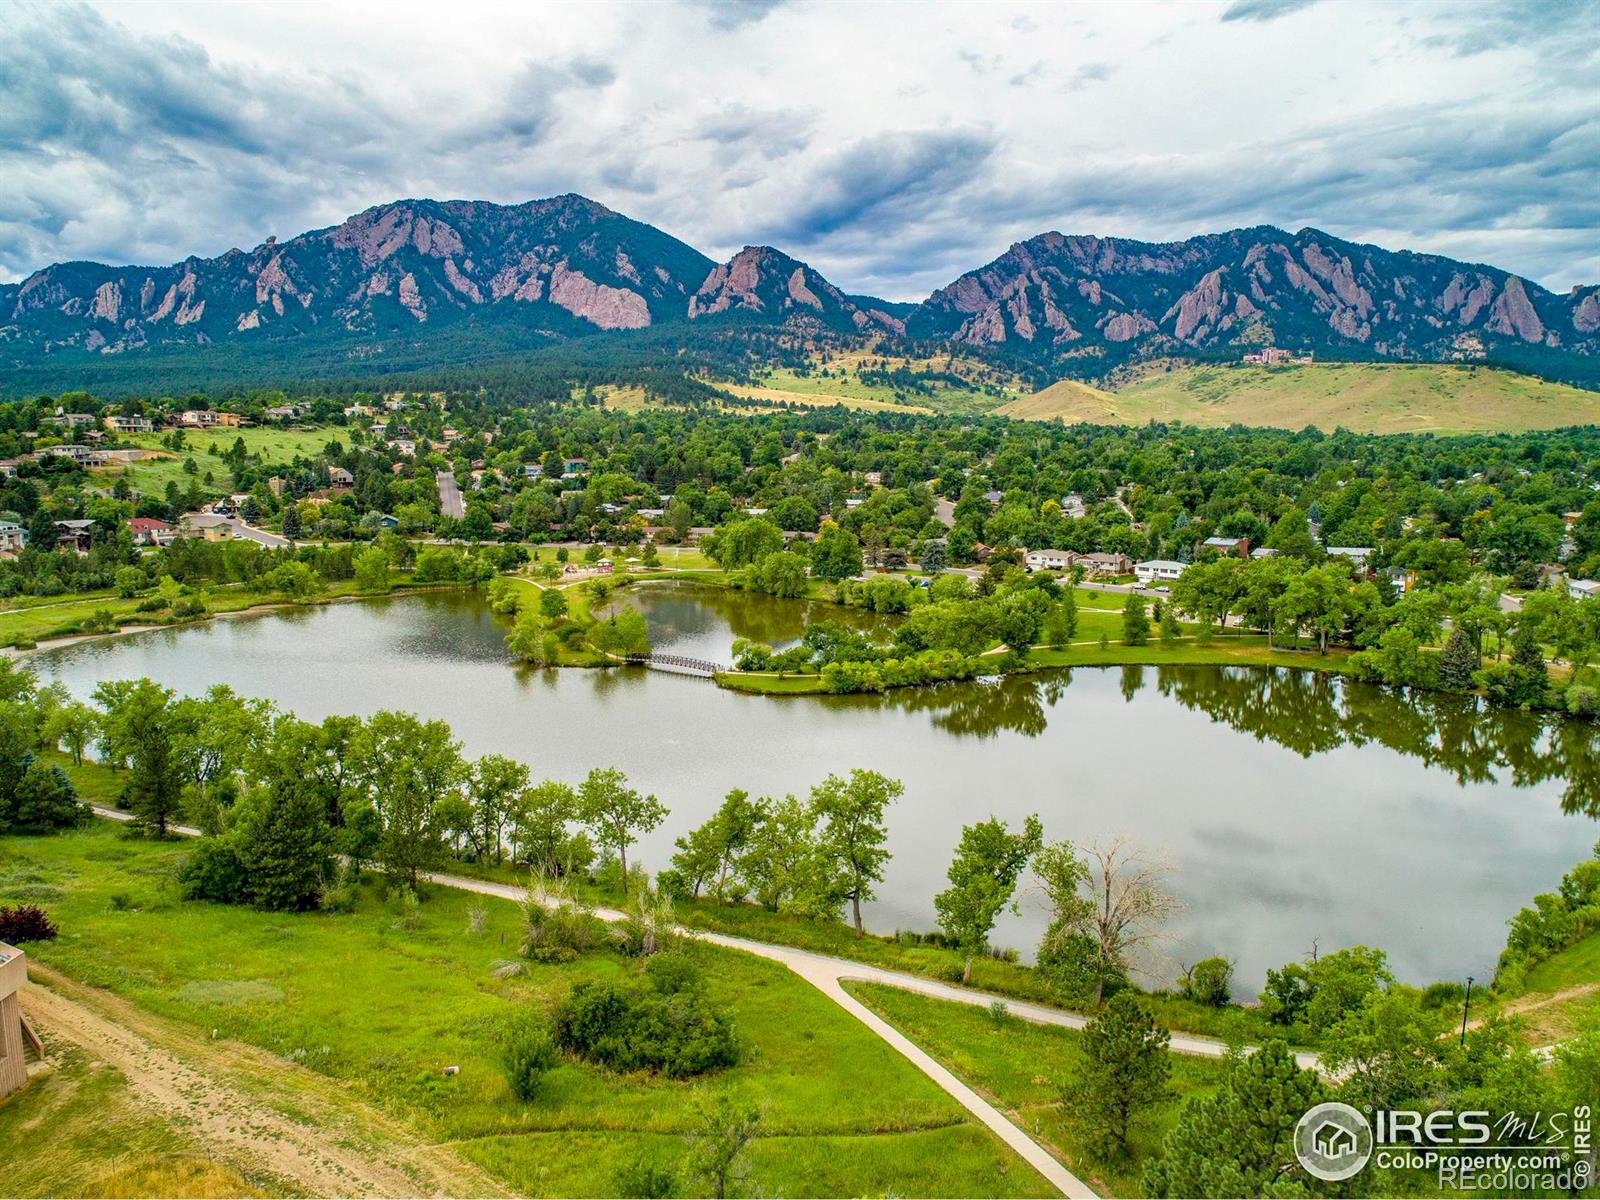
(677, 664)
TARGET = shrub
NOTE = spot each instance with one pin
(212, 871)
(526, 1053)
(676, 1032)
(643, 1179)
(44, 799)
(25, 923)
(1209, 982)
(556, 928)
(1583, 701)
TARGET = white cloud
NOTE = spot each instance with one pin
(893, 146)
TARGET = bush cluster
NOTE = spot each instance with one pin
(930, 666)
(668, 1024)
(25, 923)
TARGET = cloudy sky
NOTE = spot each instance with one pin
(893, 146)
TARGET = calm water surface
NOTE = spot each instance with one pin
(1293, 808)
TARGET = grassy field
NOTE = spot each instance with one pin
(1019, 1067)
(360, 999)
(273, 444)
(845, 384)
(64, 618)
(1363, 397)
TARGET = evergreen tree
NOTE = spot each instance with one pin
(291, 521)
(154, 790)
(1458, 661)
(281, 841)
(1135, 622)
(1239, 1141)
(46, 799)
(1124, 1071)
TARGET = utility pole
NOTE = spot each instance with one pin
(1466, 1001)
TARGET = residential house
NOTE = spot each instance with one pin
(13, 537)
(1583, 589)
(359, 410)
(1072, 505)
(19, 1045)
(1261, 552)
(205, 418)
(120, 424)
(340, 478)
(76, 535)
(1107, 564)
(994, 498)
(208, 527)
(81, 455)
(387, 521)
(147, 531)
(874, 478)
(532, 471)
(1047, 560)
(1358, 555)
(404, 447)
(1402, 579)
(1234, 547)
(574, 466)
(1158, 570)
(1276, 356)
(8, 467)
(66, 420)
(281, 413)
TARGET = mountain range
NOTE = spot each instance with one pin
(559, 269)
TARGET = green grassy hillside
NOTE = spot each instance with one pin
(1364, 397)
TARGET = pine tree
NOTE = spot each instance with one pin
(1240, 1140)
(1135, 622)
(1458, 661)
(281, 840)
(1124, 1073)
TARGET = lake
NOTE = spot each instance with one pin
(1294, 809)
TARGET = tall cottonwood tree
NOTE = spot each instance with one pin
(851, 840)
(983, 878)
(616, 813)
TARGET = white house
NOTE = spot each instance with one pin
(1357, 555)
(1050, 560)
(1583, 589)
(1158, 570)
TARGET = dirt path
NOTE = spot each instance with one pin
(1546, 1000)
(235, 1101)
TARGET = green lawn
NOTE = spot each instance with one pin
(1573, 967)
(38, 623)
(206, 448)
(1020, 1067)
(384, 1009)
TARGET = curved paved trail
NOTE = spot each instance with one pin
(829, 974)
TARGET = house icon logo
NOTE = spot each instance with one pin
(1333, 1142)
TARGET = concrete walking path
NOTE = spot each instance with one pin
(829, 975)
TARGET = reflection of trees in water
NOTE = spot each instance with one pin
(984, 707)
(1473, 740)
(676, 610)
